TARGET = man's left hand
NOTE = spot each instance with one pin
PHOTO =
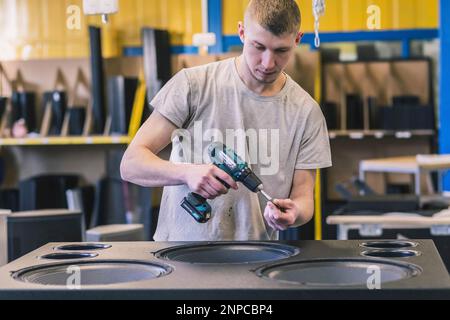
(281, 220)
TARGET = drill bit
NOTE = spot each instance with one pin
(270, 199)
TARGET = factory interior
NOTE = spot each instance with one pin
(89, 87)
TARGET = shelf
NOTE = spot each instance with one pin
(379, 134)
(55, 141)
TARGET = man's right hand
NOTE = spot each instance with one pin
(204, 180)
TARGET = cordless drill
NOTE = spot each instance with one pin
(228, 161)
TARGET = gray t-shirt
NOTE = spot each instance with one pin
(275, 135)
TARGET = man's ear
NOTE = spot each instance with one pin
(299, 38)
(241, 31)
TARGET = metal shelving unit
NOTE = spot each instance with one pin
(380, 134)
(135, 121)
(66, 141)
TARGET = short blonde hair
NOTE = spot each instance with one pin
(276, 16)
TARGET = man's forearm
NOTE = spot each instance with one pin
(305, 209)
(142, 167)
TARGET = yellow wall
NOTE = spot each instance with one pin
(351, 15)
(38, 28)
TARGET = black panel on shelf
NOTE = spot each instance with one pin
(46, 192)
(58, 100)
(98, 82)
(374, 113)
(411, 115)
(403, 111)
(387, 118)
(402, 117)
(3, 103)
(87, 197)
(330, 112)
(110, 206)
(157, 59)
(163, 55)
(330, 54)
(406, 100)
(77, 118)
(121, 94)
(9, 199)
(424, 118)
(24, 107)
(355, 113)
(366, 52)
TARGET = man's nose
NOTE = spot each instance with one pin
(268, 60)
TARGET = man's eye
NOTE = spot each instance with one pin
(260, 48)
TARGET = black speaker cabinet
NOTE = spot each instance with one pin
(27, 231)
(229, 270)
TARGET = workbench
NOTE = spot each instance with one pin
(373, 225)
(415, 165)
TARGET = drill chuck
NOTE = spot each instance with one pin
(249, 179)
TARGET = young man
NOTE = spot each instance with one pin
(264, 115)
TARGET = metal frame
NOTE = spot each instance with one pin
(139, 51)
(417, 172)
(343, 229)
(215, 24)
(405, 36)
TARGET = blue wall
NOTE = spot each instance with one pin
(444, 105)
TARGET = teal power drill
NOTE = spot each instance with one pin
(228, 161)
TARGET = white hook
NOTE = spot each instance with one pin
(318, 11)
